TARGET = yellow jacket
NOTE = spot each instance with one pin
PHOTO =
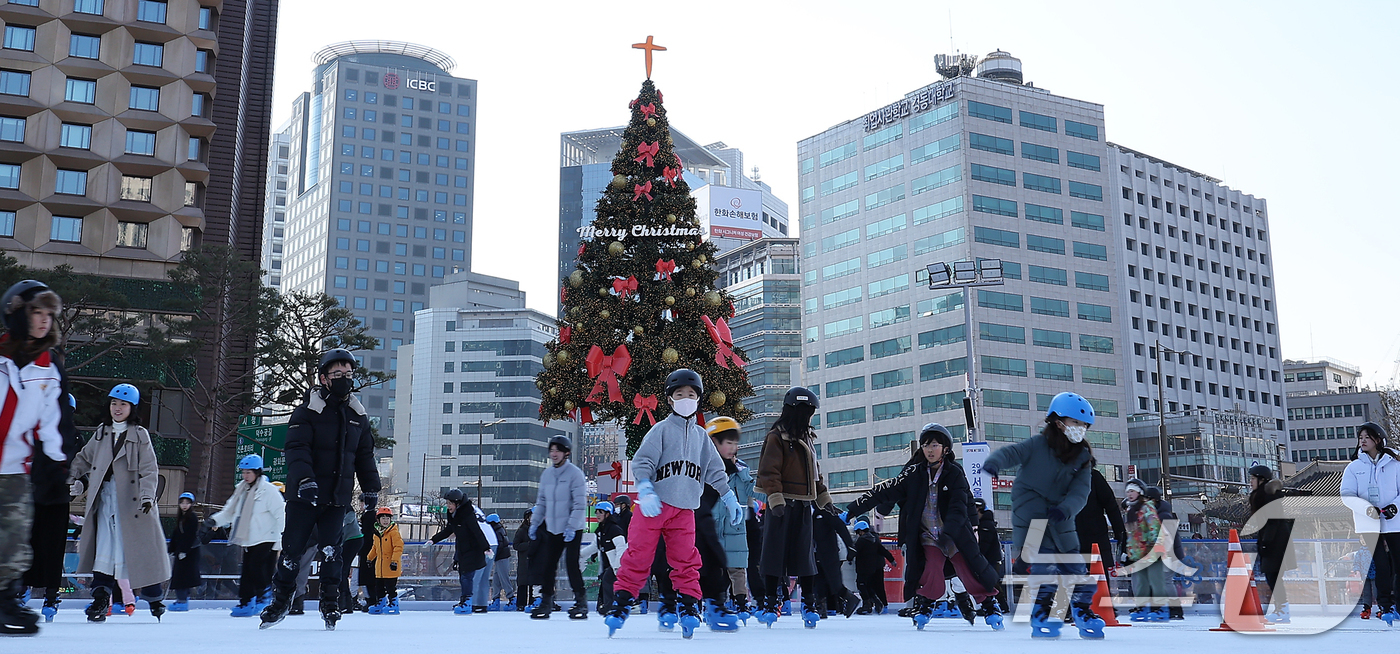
(387, 552)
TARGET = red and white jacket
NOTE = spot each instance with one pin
(29, 411)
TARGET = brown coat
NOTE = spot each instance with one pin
(787, 470)
(136, 478)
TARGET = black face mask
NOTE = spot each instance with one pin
(341, 386)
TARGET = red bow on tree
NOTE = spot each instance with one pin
(582, 415)
(615, 471)
(648, 110)
(664, 269)
(605, 371)
(645, 151)
(580, 249)
(633, 103)
(565, 334)
(670, 175)
(644, 406)
(641, 189)
(719, 333)
(624, 287)
(563, 294)
(659, 97)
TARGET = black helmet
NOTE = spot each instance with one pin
(1264, 473)
(684, 377)
(800, 396)
(981, 503)
(1377, 432)
(18, 297)
(454, 495)
(622, 500)
(338, 355)
(1153, 493)
(562, 442)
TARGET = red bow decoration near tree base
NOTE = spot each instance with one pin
(664, 270)
(639, 190)
(719, 333)
(605, 371)
(644, 406)
(646, 152)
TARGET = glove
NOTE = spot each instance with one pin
(778, 510)
(989, 469)
(842, 516)
(180, 556)
(1373, 513)
(306, 491)
(1389, 511)
(77, 488)
(569, 536)
(454, 564)
(1056, 514)
(370, 500)
(210, 524)
(830, 510)
(736, 510)
(393, 565)
(592, 558)
(146, 506)
(534, 529)
(1123, 557)
(648, 499)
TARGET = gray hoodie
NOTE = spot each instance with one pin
(562, 501)
(679, 458)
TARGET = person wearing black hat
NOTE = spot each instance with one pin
(472, 545)
(330, 444)
(1374, 476)
(557, 525)
(524, 555)
(1272, 541)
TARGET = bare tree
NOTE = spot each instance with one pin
(307, 325)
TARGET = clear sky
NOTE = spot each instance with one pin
(1289, 101)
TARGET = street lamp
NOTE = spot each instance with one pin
(1165, 480)
(480, 438)
(967, 275)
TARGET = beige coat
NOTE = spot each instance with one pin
(136, 477)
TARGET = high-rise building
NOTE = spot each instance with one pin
(963, 169)
(1207, 449)
(380, 188)
(275, 209)
(764, 279)
(1325, 405)
(130, 132)
(473, 364)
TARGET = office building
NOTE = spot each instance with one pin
(1325, 405)
(1206, 448)
(131, 131)
(380, 188)
(765, 281)
(967, 168)
(275, 226)
(473, 363)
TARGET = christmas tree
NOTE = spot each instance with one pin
(642, 301)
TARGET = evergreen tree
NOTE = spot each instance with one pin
(642, 300)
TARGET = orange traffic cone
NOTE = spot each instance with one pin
(1240, 600)
(1103, 599)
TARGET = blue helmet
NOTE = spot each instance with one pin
(493, 518)
(604, 506)
(186, 496)
(126, 393)
(72, 401)
(250, 462)
(862, 525)
(1071, 405)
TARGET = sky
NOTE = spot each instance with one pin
(1286, 101)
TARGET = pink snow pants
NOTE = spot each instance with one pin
(676, 527)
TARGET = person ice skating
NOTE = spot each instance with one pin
(49, 480)
(122, 537)
(871, 557)
(471, 544)
(329, 447)
(612, 542)
(1165, 513)
(524, 551)
(366, 520)
(932, 490)
(989, 541)
(1272, 540)
(833, 546)
(185, 546)
(481, 579)
(351, 539)
(1051, 488)
(672, 465)
(557, 525)
(1101, 512)
(386, 555)
(1143, 527)
(724, 431)
(255, 516)
(1373, 476)
(714, 561)
(501, 587)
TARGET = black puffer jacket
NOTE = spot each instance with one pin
(330, 442)
(988, 541)
(1100, 513)
(910, 490)
(471, 542)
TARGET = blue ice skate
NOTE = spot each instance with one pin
(245, 609)
(51, 610)
(615, 621)
(688, 625)
(1044, 626)
(787, 607)
(720, 618)
(1089, 623)
(392, 608)
(666, 618)
(642, 607)
(810, 617)
(178, 606)
(463, 607)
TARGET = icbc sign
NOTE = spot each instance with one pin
(391, 81)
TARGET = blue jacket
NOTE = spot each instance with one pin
(1044, 481)
(735, 539)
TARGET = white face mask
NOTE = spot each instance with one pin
(1076, 433)
(685, 408)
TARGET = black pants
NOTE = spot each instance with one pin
(150, 593)
(1387, 558)
(777, 589)
(830, 584)
(301, 519)
(714, 564)
(384, 587)
(606, 579)
(551, 547)
(254, 577)
(47, 539)
(872, 589)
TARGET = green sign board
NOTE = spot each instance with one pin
(267, 441)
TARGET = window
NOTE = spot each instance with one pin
(892, 410)
(887, 286)
(75, 90)
(999, 300)
(843, 327)
(944, 336)
(198, 102)
(841, 269)
(891, 316)
(876, 259)
(9, 176)
(1049, 307)
(953, 205)
(838, 154)
(935, 149)
(854, 416)
(141, 143)
(887, 135)
(65, 229)
(845, 387)
(206, 18)
(1090, 281)
(881, 198)
(1052, 215)
(1086, 191)
(1095, 312)
(1004, 366)
(1006, 399)
(1037, 121)
(1054, 371)
(942, 369)
(1102, 376)
(852, 447)
(991, 144)
(12, 129)
(136, 188)
(842, 240)
(1046, 275)
(938, 116)
(845, 357)
(1005, 433)
(840, 183)
(1086, 220)
(202, 60)
(1090, 251)
(848, 478)
(1081, 160)
(991, 112)
(19, 38)
(1050, 338)
(70, 182)
(145, 98)
(1041, 183)
(994, 175)
(1001, 333)
(1040, 153)
(891, 378)
(997, 237)
(131, 235)
(84, 46)
(1045, 244)
(942, 304)
(151, 11)
(93, 7)
(148, 54)
(14, 82)
(943, 402)
(886, 226)
(841, 298)
(937, 242)
(994, 205)
(1081, 130)
(196, 148)
(892, 442)
(7, 224)
(1100, 344)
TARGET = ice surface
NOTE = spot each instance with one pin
(209, 631)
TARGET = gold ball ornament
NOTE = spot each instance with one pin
(738, 407)
(568, 405)
(690, 246)
(602, 291)
(651, 122)
(670, 218)
(548, 359)
(604, 314)
(712, 298)
(619, 181)
(573, 311)
(670, 355)
(690, 292)
(562, 356)
(616, 247)
(670, 300)
(701, 258)
(576, 278)
(637, 330)
(717, 399)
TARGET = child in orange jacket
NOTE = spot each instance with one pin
(385, 555)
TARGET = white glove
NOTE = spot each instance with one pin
(77, 488)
